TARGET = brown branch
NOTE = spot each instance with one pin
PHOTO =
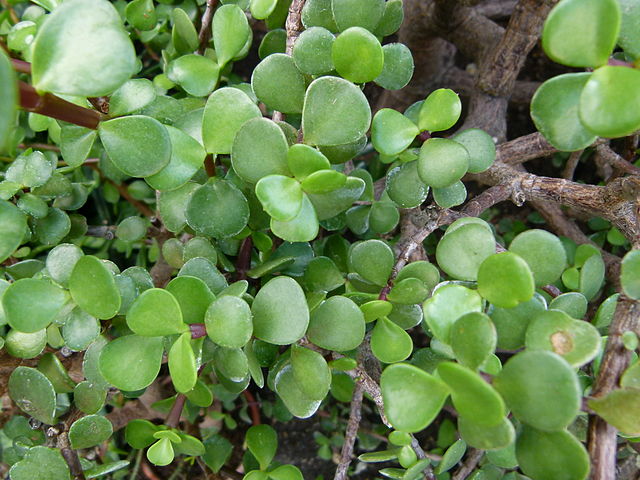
(496, 8)
(572, 163)
(205, 28)
(616, 161)
(463, 83)
(253, 407)
(602, 436)
(355, 414)
(243, 262)
(21, 66)
(294, 27)
(173, 418)
(55, 107)
(471, 462)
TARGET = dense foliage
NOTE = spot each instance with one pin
(198, 245)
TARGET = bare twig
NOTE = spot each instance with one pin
(205, 28)
(602, 436)
(616, 161)
(470, 463)
(351, 433)
(572, 163)
(173, 419)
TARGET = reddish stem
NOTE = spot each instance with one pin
(198, 330)
(253, 407)
(244, 258)
(55, 107)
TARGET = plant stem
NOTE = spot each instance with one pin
(351, 433)
(205, 29)
(173, 419)
(198, 330)
(136, 466)
(55, 107)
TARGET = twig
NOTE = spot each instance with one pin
(55, 107)
(148, 471)
(136, 466)
(616, 161)
(205, 28)
(602, 436)
(173, 419)
(243, 262)
(471, 462)
(294, 26)
(351, 433)
(70, 455)
(572, 163)
(124, 193)
(253, 407)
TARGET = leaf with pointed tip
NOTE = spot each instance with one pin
(389, 342)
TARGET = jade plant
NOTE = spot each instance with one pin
(217, 217)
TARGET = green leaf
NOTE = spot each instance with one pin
(72, 48)
(217, 451)
(25, 345)
(14, 227)
(389, 342)
(322, 274)
(630, 274)
(206, 271)
(278, 83)
(259, 149)
(391, 18)
(51, 229)
(486, 438)
(404, 187)
(261, 9)
(228, 321)
(628, 38)
(76, 143)
(481, 148)
(412, 398)
(603, 110)
(360, 13)
(187, 157)
(89, 431)
(451, 196)
(156, 312)
(505, 280)
(9, 98)
(218, 209)
(328, 205)
(280, 312)
(398, 66)
(318, 13)
(173, 205)
(383, 218)
(141, 14)
(226, 110)
(541, 389)
(578, 342)
(465, 245)
(592, 276)
(357, 55)
(88, 397)
(294, 399)
(392, 132)
(324, 181)
(304, 160)
(473, 339)
(442, 162)
(29, 170)
(337, 324)
(581, 33)
(161, 453)
(440, 111)
(51, 366)
(302, 228)
(344, 152)
(544, 455)
(275, 41)
(573, 303)
(132, 96)
(139, 433)
(183, 34)
(511, 323)
(144, 156)
(32, 304)
(262, 442)
(554, 110)
(472, 397)
(196, 74)
(132, 229)
(182, 364)
(373, 260)
(33, 393)
(280, 196)
(286, 472)
(620, 408)
(231, 32)
(42, 463)
(105, 469)
(451, 456)
(93, 288)
(447, 304)
(120, 354)
(335, 112)
(544, 254)
(311, 372)
(312, 51)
